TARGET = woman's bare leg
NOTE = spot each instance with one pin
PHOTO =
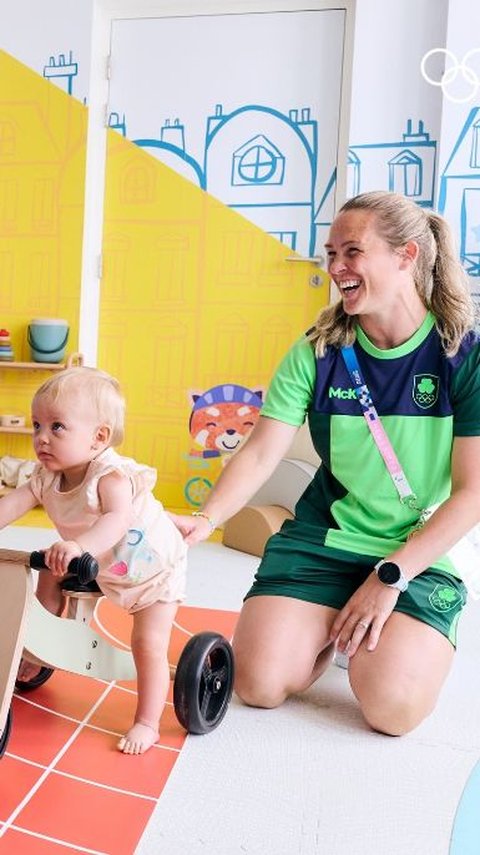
(281, 646)
(398, 684)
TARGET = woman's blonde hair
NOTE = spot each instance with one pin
(101, 392)
(440, 280)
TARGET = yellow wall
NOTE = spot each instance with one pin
(193, 295)
(42, 179)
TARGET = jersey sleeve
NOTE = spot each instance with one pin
(466, 396)
(291, 389)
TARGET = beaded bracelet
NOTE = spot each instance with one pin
(211, 522)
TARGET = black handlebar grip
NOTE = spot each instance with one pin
(85, 566)
(37, 561)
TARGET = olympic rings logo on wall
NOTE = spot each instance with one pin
(468, 75)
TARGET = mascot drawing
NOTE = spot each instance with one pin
(222, 417)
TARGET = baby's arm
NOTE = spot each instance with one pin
(116, 501)
(15, 504)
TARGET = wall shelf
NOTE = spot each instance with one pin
(42, 366)
(75, 359)
(24, 429)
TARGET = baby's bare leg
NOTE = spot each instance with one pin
(50, 595)
(150, 637)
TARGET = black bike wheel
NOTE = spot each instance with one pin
(203, 682)
(6, 734)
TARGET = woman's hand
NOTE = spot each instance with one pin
(192, 529)
(58, 556)
(366, 612)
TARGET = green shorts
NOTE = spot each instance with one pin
(316, 573)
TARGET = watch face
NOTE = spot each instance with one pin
(389, 573)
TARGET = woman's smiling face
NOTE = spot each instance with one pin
(369, 274)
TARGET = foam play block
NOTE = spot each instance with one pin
(249, 530)
(285, 485)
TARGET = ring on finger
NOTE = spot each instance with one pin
(363, 624)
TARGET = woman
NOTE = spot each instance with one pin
(405, 306)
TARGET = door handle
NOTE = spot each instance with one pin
(313, 259)
(316, 280)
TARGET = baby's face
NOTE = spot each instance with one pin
(65, 434)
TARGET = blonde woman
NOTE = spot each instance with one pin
(389, 380)
(103, 504)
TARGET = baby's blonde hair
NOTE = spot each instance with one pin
(101, 392)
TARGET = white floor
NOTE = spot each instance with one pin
(310, 778)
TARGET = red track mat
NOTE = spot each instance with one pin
(64, 787)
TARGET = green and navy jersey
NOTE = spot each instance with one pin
(423, 398)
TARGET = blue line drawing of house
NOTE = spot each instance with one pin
(61, 69)
(257, 160)
(263, 164)
(170, 150)
(406, 166)
(117, 124)
(459, 197)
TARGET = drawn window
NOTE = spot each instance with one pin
(7, 138)
(470, 231)
(8, 202)
(43, 203)
(257, 164)
(258, 161)
(138, 186)
(405, 174)
(288, 238)
(475, 153)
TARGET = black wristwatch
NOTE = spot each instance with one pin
(390, 574)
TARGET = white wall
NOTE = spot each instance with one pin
(463, 35)
(391, 38)
(390, 41)
(34, 30)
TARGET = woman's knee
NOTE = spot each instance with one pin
(393, 708)
(258, 689)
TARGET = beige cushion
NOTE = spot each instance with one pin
(250, 529)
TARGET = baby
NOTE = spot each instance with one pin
(102, 503)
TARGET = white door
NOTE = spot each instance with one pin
(246, 105)
(226, 142)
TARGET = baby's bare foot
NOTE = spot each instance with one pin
(27, 670)
(139, 739)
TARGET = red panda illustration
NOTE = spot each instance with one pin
(222, 417)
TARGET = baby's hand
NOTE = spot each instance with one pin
(58, 556)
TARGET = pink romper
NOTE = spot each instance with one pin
(148, 565)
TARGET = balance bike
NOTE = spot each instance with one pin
(202, 679)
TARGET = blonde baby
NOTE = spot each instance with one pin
(103, 504)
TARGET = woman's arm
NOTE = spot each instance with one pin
(116, 501)
(453, 519)
(373, 603)
(245, 472)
